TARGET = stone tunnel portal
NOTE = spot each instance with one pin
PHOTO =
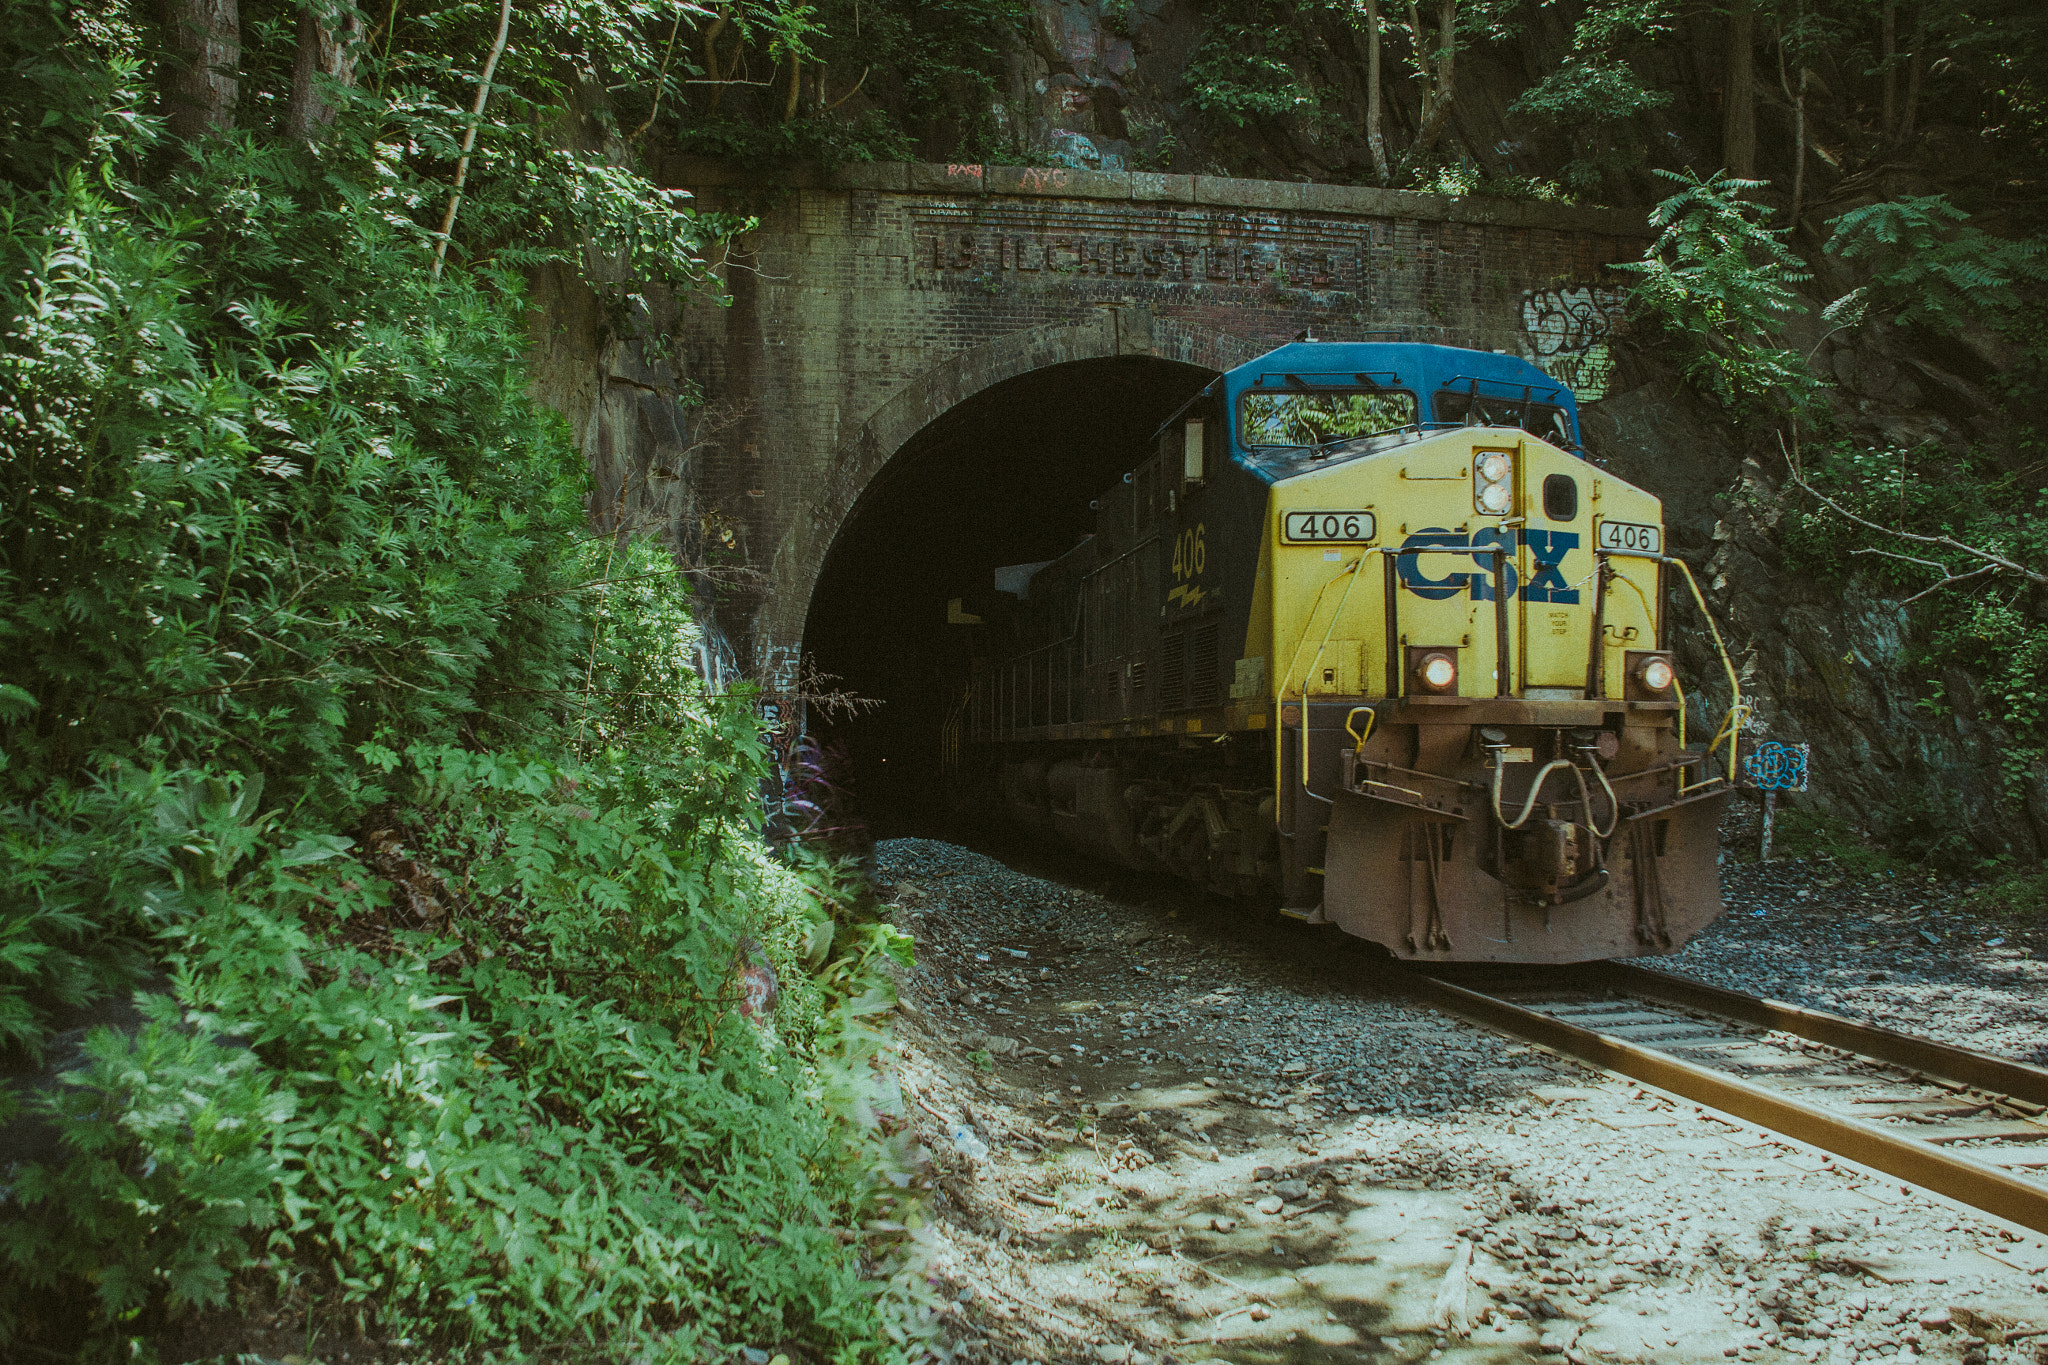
(1004, 477)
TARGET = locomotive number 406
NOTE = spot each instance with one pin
(1628, 537)
(1323, 528)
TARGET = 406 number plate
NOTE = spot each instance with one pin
(1326, 528)
(1631, 538)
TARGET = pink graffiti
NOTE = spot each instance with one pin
(1044, 177)
(974, 171)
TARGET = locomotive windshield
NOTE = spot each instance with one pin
(1313, 418)
(1468, 409)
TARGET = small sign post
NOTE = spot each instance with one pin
(1769, 766)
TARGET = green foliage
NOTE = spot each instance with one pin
(1986, 626)
(1589, 92)
(264, 528)
(1609, 26)
(179, 1146)
(1286, 419)
(1804, 831)
(1718, 282)
(327, 719)
(2018, 895)
(1249, 67)
(530, 1112)
(927, 71)
(74, 913)
(1592, 101)
(1929, 266)
(1463, 178)
(870, 136)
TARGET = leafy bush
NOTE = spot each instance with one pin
(1592, 100)
(1995, 636)
(1248, 68)
(1930, 266)
(179, 1143)
(1718, 282)
(926, 71)
(521, 1105)
(327, 718)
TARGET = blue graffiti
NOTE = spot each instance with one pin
(1547, 551)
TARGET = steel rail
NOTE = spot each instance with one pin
(1971, 1182)
(1974, 1069)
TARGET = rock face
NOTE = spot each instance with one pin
(1826, 659)
(1116, 85)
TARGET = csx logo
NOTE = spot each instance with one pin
(1547, 550)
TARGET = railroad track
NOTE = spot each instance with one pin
(1967, 1125)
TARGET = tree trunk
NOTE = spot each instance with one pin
(1373, 137)
(1889, 27)
(1738, 116)
(1437, 108)
(476, 117)
(204, 41)
(1799, 147)
(1912, 110)
(711, 71)
(324, 54)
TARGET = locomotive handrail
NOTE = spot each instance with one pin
(1738, 712)
(1503, 680)
(1349, 571)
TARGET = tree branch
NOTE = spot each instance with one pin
(1991, 562)
(476, 117)
(661, 79)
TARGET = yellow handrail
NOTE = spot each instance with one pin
(1280, 690)
(1738, 711)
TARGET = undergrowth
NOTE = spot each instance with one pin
(473, 1007)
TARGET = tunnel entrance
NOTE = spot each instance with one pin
(1002, 478)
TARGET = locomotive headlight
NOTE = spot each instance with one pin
(1433, 670)
(1651, 675)
(1493, 491)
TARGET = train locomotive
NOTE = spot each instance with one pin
(1366, 640)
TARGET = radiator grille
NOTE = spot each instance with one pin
(1205, 674)
(1173, 672)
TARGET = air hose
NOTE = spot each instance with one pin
(1586, 799)
(1535, 790)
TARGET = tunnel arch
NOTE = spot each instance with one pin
(1002, 473)
(1114, 331)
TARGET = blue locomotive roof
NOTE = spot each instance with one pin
(1420, 369)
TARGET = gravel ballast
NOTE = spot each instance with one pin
(1162, 1131)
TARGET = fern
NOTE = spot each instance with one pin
(1930, 266)
(1719, 282)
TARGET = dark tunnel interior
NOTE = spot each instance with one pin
(1004, 478)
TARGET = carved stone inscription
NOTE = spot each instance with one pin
(1167, 247)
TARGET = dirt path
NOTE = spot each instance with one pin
(1157, 1135)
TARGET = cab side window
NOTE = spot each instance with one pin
(1560, 497)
